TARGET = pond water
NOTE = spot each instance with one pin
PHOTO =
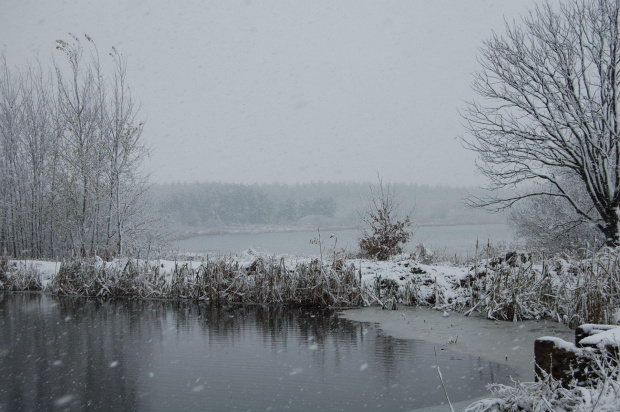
(455, 239)
(74, 354)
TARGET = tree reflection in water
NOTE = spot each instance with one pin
(58, 353)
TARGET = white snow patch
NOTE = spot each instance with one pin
(611, 336)
(592, 328)
(296, 371)
(560, 343)
(62, 401)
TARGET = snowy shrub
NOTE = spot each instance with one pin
(424, 255)
(508, 293)
(387, 235)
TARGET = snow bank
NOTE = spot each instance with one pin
(559, 343)
(607, 337)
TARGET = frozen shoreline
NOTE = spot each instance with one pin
(510, 343)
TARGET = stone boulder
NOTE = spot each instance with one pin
(566, 361)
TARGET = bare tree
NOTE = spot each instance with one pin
(80, 106)
(39, 144)
(71, 151)
(550, 109)
(125, 153)
(10, 162)
(103, 150)
(549, 223)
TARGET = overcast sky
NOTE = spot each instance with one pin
(286, 91)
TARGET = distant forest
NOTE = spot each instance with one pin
(194, 208)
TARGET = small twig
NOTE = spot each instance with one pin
(441, 379)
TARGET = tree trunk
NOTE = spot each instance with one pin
(612, 236)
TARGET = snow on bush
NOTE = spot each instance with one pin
(386, 235)
(600, 393)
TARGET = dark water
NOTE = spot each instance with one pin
(73, 354)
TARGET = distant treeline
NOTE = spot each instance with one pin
(213, 205)
(195, 207)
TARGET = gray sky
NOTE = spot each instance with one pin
(286, 91)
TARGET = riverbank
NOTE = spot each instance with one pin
(503, 286)
(547, 294)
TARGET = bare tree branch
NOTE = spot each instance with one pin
(549, 91)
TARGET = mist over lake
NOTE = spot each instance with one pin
(457, 240)
(192, 209)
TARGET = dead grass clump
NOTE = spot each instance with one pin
(218, 281)
(518, 286)
(21, 277)
(4, 267)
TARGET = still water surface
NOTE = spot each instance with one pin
(457, 239)
(74, 354)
